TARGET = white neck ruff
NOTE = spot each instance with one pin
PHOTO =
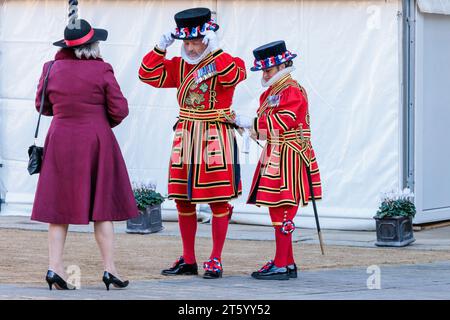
(280, 74)
(189, 60)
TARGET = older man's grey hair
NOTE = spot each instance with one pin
(88, 51)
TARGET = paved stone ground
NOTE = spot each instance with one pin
(419, 281)
(426, 281)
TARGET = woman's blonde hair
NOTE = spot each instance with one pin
(88, 51)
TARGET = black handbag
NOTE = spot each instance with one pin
(36, 153)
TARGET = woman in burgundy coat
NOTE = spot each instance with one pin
(83, 176)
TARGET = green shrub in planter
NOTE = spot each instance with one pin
(148, 202)
(146, 196)
(394, 219)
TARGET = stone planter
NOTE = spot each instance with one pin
(394, 231)
(148, 221)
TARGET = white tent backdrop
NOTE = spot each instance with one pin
(349, 62)
(434, 6)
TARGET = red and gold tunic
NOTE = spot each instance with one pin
(283, 120)
(204, 164)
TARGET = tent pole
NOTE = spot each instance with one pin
(409, 42)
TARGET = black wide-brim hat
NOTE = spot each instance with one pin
(193, 23)
(79, 32)
(271, 55)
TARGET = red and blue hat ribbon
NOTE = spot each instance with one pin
(273, 61)
(190, 33)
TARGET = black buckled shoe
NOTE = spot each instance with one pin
(181, 268)
(264, 268)
(213, 269)
(292, 270)
(271, 272)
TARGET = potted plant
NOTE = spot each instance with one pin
(148, 202)
(394, 219)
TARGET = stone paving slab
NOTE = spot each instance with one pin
(421, 281)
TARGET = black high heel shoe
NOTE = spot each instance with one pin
(109, 279)
(53, 279)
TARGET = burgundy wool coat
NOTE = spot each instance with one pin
(83, 176)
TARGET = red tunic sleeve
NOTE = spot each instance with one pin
(231, 70)
(158, 71)
(116, 103)
(47, 110)
(285, 116)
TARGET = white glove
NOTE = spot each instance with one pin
(211, 40)
(244, 121)
(165, 41)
